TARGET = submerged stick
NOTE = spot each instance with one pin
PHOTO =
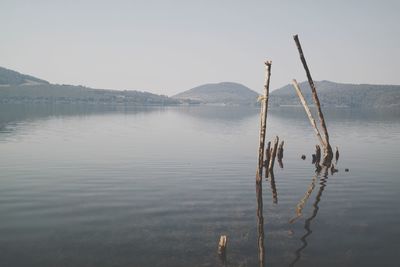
(263, 119)
(328, 154)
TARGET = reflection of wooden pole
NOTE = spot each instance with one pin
(267, 155)
(263, 118)
(279, 154)
(260, 224)
(317, 154)
(273, 155)
(308, 111)
(328, 154)
(303, 201)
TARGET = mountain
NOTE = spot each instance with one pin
(341, 95)
(10, 77)
(20, 88)
(228, 93)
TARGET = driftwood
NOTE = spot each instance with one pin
(273, 155)
(263, 119)
(223, 241)
(328, 154)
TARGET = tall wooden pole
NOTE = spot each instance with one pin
(328, 154)
(263, 119)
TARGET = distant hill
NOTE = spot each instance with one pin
(228, 93)
(20, 88)
(10, 77)
(341, 95)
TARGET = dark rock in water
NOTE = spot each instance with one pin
(346, 170)
(303, 157)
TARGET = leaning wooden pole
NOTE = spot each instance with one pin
(263, 118)
(308, 111)
(328, 154)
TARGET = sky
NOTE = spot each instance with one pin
(166, 47)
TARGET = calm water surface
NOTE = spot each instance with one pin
(104, 186)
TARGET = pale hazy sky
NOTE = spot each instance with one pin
(166, 46)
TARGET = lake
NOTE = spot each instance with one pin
(119, 186)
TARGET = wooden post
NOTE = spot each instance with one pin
(263, 119)
(273, 155)
(328, 154)
(223, 240)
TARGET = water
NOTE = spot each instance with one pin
(115, 186)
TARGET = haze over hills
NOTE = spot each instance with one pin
(20, 88)
(228, 93)
(330, 94)
(17, 88)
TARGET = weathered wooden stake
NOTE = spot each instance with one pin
(328, 154)
(223, 240)
(273, 155)
(263, 119)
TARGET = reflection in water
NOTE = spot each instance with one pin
(303, 201)
(13, 113)
(307, 224)
(260, 224)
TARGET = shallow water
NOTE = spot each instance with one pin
(115, 186)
